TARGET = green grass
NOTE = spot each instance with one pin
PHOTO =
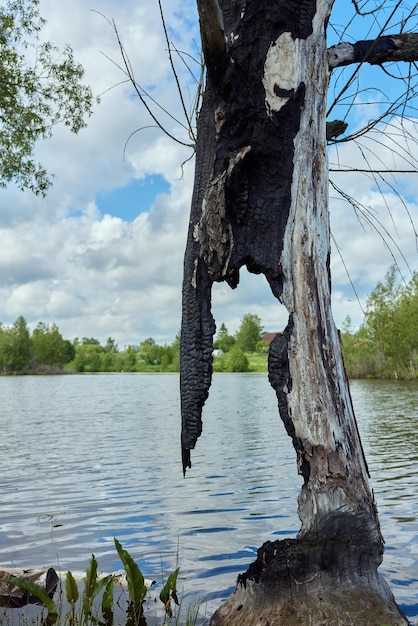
(257, 361)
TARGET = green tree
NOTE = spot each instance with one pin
(89, 356)
(111, 345)
(224, 341)
(347, 341)
(383, 326)
(68, 350)
(129, 359)
(150, 352)
(176, 353)
(407, 315)
(19, 346)
(5, 348)
(40, 348)
(235, 360)
(49, 347)
(108, 360)
(40, 86)
(93, 357)
(358, 353)
(249, 333)
(80, 359)
(386, 344)
(90, 341)
(166, 357)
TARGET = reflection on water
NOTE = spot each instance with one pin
(87, 458)
(388, 418)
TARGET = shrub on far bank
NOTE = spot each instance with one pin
(233, 361)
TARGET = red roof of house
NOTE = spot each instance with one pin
(268, 337)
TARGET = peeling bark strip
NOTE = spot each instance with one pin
(244, 167)
(261, 200)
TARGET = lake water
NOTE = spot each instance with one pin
(87, 458)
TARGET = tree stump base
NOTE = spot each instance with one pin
(296, 582)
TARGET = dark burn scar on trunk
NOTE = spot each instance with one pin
(294, 16)
(283, 563)
(242, 194)
(281, 381)
(283, 93)
(279, 375)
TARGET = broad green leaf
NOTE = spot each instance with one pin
(100, 584)
(71, 588)
(169, 592)
(107, 600)
(136, 585)
(91, 576)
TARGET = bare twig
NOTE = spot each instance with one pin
(175, 75)
(146, 98)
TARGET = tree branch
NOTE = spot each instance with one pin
(213, 37)
(402, 47)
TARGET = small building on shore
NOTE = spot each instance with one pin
(268, 337)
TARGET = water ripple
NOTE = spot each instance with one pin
(84, 459)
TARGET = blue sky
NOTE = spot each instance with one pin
(102, 254)
(134, 198)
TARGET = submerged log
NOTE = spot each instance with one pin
(13, 596)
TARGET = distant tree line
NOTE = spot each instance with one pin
(386, 343)
(44, 349)
(384, 346)
(90, 356)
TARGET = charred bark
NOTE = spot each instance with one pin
(242, 189)
(297, 582)
(402, 47)
(261, 201)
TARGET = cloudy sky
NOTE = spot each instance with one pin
(102, 254)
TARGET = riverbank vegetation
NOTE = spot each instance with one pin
(386, 343)
(384, 346)
(101, 600)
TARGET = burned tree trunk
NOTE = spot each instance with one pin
(260, 201)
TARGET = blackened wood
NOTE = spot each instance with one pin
(242, 189)
(213, 37)
(401, 47)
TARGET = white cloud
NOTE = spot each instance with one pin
(96, 275)
(382, 230)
